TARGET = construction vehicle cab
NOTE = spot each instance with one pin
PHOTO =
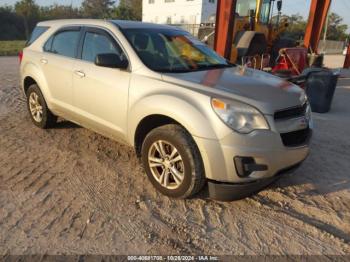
(254, 33)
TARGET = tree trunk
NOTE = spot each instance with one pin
(26, 27)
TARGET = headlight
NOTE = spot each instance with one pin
(240, 117)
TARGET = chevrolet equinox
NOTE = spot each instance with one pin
(192, 117)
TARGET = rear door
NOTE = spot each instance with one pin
(101, 93)
(58, 58)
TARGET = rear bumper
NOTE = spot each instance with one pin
(235, 191)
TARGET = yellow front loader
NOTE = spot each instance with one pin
(256, 29)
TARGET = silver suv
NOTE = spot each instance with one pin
(192, 117)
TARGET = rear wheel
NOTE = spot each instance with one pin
(172, 161)
(39, 112)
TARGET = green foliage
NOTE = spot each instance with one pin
(336, 28)
(135, 6)
(123, 13)
(128, 10)
(29, 11)
(11, 25)
(27, 8)
(8, 48)
(59, 12)
(296, 28)
(18, 21)
(97, 8)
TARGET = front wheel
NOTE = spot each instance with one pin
(172, 161)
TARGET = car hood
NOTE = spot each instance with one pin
(266, 92)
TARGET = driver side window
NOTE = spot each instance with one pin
(98, 43)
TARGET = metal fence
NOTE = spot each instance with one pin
(204, 33)
(191, 28)
(331, 47)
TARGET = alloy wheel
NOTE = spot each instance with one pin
(35, 107)
(166, 164)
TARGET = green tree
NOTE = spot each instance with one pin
(123, 13)
(296, 27)
(135, 6)
(29, 12)
(128, 10)
(11, 25)
(336, 28)
(59, 12)
(97, 8)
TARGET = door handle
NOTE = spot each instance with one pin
(43, 60)
(80, 73)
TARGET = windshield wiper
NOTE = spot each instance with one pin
(199, 68)
(214, 66)
(174, 70)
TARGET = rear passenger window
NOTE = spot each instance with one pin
(37, 32)
(65, 43)
(98, 43)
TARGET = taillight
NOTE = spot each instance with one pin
(20, 56)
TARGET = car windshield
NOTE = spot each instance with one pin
(166, 50)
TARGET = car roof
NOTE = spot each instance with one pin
(128, 24)
(122, 24)
(63, 22)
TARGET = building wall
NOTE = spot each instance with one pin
(209, 11)
(178, 11)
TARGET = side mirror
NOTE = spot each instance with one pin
(111, 60)
(279, 5)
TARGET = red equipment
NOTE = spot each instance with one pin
(293, 60)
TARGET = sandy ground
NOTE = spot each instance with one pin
(68, 190)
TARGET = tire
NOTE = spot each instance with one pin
(190, 166)
(44, 118)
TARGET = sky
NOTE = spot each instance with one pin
(341, 7)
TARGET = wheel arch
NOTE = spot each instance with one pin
(157, 110)
(31, 74)
(149, 123)
(189, 113)
(27, 82)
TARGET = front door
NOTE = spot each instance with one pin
(101, 93)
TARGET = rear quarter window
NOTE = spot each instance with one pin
(65, 43)
(37, 32)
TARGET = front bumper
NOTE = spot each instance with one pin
(238, 165)
(230, 192)
(265, 146)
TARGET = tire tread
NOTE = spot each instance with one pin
(183, 136)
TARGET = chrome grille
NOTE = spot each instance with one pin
(291, 112)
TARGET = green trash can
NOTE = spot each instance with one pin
(320, 87)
